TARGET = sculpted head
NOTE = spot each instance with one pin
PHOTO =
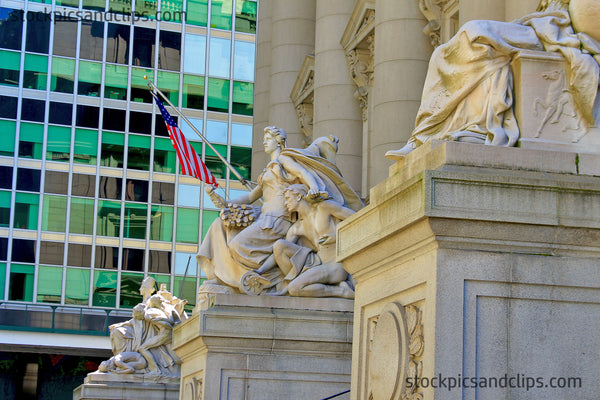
(147, 287)
(274, 138)
(293, 196)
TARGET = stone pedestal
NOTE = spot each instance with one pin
(102, 386)
(478, 262)
(264, 348)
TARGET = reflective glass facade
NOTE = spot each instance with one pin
(92, 198)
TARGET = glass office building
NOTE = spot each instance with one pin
(92, 198)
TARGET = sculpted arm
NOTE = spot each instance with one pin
(294, 168)
(337, 210)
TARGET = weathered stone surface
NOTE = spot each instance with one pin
(99, 386)
(499, 252)
(266, 348)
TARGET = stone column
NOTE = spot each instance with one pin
(336, 111)
(293, 38)
(402, 54)
(262, 83)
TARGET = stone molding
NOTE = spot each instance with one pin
(396, 347)
(358, 42)
(302, 96)
(476, 185)
(441, 15)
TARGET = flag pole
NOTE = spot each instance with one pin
(237, 174)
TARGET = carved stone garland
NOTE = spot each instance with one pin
(395, 353)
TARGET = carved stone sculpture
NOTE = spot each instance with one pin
(306, 257)
(229, 251)
(468, 93)
(142, 345)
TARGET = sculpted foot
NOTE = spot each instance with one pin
(347, 292)
(399, 154)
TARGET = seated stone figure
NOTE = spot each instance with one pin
(306, 257)
(142, 345)
(468, 92)
(230, 250)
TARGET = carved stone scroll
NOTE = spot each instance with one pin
(395, 365)
(302, 97)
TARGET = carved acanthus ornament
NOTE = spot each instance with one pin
(442, 16)
(302, 97)
(395, 352)
(358, 42)
(360, 62)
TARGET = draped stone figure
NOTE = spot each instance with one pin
(142, 345)
(468, 92)
(306, 257)
(233, 248)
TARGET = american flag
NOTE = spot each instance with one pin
(191, 163)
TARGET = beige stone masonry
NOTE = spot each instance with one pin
(262, 347)
(476, 261)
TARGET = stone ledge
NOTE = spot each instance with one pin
(99, 386)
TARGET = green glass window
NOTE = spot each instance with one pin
(7, 144)
(90, 78)
(105, 289)
(31, 140)
(212, 161)
(70, 3)
(171, 10)
(120, 6)
(115, 82)
(86, 146)
(241, 159)
(93, 4)
(243, 98)
(147, 8)
(168, 83)
(139, 87)
(193, 92)
(188, 291)
(208, 217)
(54, 213)
(187, 225)
(63, 75)
(160, 279)
(36, 71)
(164, 156)
(134, 222)
(245, 16)
(220, 14)
(218, 95)
(4, 208)
(138, 152)
(77, 288)
(197, 12)
(49, 285)
(82, 216)
(112, 149)
(10, 62)
(109, 216)
(58, 147)
(26, 210)
(130, 289)
(3, 279)
(161, 223)
(21, 282)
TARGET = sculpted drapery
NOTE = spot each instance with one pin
(468, 92)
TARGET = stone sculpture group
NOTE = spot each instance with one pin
(142, 345)
(468, 93)
(287, 246)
